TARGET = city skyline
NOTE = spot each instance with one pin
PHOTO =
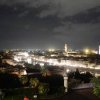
(49, 24)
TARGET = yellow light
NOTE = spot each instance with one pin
(87, 51)
(51, 50)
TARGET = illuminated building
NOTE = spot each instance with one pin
(65, 47)
(66, 50)
(69, 59)
(99, 49)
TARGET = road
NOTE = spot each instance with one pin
(85, 94)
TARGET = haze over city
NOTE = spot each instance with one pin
(49, 23)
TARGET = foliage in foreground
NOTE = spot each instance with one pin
(96, 89)
(23, 79)
(43, 88)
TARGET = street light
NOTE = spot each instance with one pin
(65, 82)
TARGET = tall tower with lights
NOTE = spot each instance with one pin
(66, 49)
(99, 50)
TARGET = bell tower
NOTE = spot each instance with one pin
(66, 49)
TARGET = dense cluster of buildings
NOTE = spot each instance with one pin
(84, 60)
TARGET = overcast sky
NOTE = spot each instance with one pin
(49, 23)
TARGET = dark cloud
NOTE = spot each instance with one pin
(61, 8)
(89, 16)
(49, 23)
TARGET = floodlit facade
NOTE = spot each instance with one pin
(99, 49)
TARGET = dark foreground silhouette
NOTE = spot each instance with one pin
(84, 94)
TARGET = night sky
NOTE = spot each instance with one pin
(49, 24)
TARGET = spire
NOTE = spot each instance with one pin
(66, 49)
(99, 50)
